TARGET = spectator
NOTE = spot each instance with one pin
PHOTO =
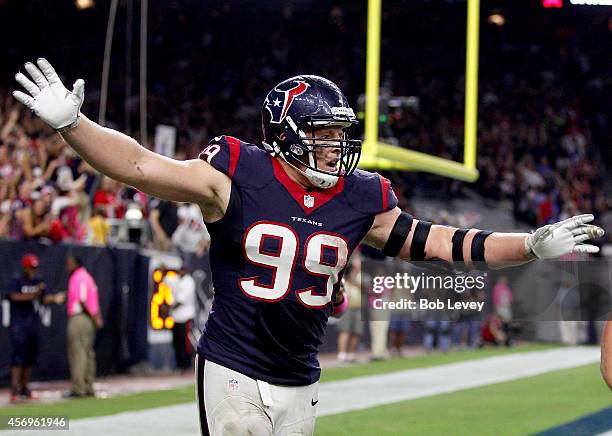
(35, 220)
(25, 294)
(467, 329)
(351, 323)
(183, 312)
(191, 235)
(437, 332)
(164, 221)
(572, 329)
(379, 325)
(99, 227)
(84, 317)
(492, 332)
(537, 129)
(437, 325)
(502, 306)
(5, 219)
(400, 322)
(107, 197)
(20, 211)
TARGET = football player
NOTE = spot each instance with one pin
(284, 219)
(606, 353)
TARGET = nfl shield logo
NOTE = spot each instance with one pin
(233, 385)
(308, 200)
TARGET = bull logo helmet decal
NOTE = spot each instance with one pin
(279, 101)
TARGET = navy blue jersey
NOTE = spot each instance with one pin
(277, 257)
(24, 313)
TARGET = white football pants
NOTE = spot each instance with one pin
(232, 404)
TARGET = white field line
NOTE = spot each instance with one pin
(352, 394)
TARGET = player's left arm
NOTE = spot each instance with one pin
(56, 298)
(400, 235)
(606, 353)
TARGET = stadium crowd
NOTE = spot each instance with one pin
(539, 115)
(544, 116)
(48, 193)
(543, 110)
(535, 141)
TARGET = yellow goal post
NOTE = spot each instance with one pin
(378, 155)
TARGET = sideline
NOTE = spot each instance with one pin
(353, 394)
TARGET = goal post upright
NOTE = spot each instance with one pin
(385, 156)
(372, 77)
(471, 84)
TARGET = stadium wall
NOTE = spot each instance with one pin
(122, 279)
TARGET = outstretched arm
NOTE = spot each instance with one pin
(122, 158)
(424, 241)
(115, 154)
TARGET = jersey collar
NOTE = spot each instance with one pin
(309, 200)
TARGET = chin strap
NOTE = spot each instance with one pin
(320, 180)
(323, 181)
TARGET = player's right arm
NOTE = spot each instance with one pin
(122, 158)
(15, 296)
(117, 155)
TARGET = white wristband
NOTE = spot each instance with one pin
(71, 125)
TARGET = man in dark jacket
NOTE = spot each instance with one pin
(26, 293)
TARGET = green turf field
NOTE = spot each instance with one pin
(511, 408)
(381, 367)
(89, 407)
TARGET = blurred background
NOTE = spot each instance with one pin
(544, 105)
(182, 72)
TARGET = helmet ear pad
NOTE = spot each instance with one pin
(297, 151)
(295, 147)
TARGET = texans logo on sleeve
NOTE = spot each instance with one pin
(279, 101)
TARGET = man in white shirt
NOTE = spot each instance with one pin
(183, 312)
(191, 236)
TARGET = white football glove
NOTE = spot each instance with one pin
(49, 98)
(555, 240)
